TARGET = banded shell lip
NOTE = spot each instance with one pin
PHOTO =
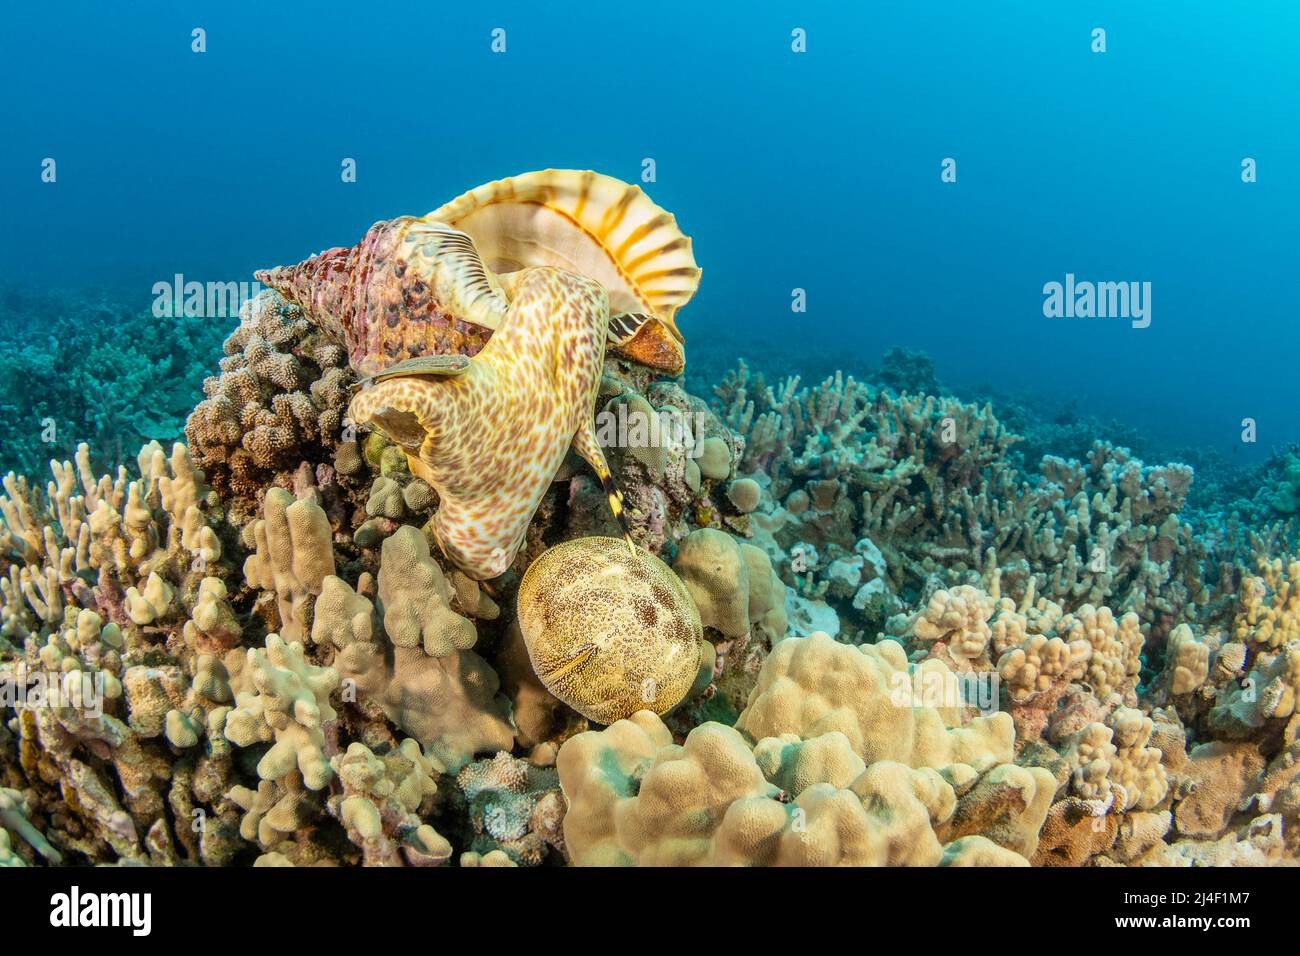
(643, 257)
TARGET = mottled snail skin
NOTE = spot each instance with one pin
(409, 288)
(489, 432)
(609, 632)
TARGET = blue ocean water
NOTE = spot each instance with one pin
(818, 170)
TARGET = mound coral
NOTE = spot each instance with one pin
(803, 781)
(280, 399)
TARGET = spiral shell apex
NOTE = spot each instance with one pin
(411, 287)
(608, 632)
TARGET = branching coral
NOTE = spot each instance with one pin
(287, 702)
(929, 481)
(379, 804)
(1113, 764)
(417, 598)
(13, 819)
(1269, 613)
(959, 618)
(294, 554)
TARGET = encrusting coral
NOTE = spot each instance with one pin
(846, 625)
(515, 808)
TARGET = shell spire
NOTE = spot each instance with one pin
(410, 287)
(317, 286)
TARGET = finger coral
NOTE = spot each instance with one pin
(294, 554)
(287, 702)
(379, 804)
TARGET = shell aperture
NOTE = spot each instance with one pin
(596, 225)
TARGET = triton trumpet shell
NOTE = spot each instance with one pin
(410, 287)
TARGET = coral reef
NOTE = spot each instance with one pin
(848, 626)
(877, 500)
(107, 378)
